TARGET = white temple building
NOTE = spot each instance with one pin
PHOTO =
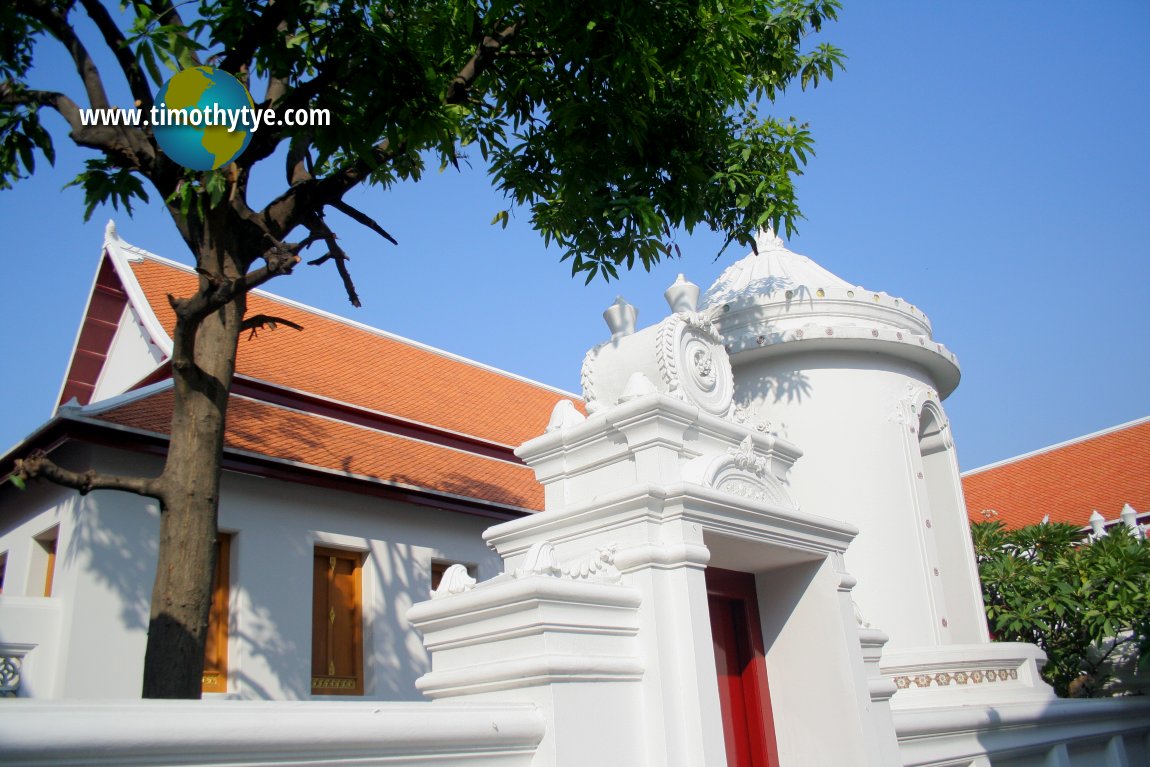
(745, 543)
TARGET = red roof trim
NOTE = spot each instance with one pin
(101, 320)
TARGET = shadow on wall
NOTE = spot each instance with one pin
(396, 656)
(777, 386)
(260, 638)
(269, 621)
(277, 650)
(121, 538)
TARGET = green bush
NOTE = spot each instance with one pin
(1086, 602)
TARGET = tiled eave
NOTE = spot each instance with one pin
(70, 427)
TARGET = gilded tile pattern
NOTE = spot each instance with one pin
(957, 678)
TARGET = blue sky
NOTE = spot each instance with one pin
(987, 161)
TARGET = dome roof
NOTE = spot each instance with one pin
(773, 270)
(775, 301)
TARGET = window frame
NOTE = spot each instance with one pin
(43, 562)
(330, 683)
(215, 675)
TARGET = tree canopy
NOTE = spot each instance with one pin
(1085, 602)
(613, 123)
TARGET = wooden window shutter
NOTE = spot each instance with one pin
(47, 543)
(215, 677)
(337, 623)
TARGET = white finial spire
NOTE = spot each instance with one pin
(1129, 518)
(620, 317)
(110, 230)
(683, 295)
(768, 240)
(1097, 524)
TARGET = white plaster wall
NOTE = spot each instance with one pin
(849, 412)
(24, 516)
(109, 564)
(106, 565)
(28, 619)
(131, 356)
(275, 528)
(940, 492)
(808, 673)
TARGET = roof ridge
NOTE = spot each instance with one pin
(362, 326)
(1058, 446)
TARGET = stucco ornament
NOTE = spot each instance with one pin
(599, 567)
(638, 385)
(746, 459)
(693, 363)
(540, 560)
(456, 580)
(745, 473)
(564, 415)
(750, 418)
(682, 356)
(905, 409)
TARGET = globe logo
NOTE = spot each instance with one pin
(200, 138)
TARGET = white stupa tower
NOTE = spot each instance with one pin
(855, 377)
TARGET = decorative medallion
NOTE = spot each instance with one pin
(693, 363)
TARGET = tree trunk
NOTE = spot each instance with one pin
(203, 364)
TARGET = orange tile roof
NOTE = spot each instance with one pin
(1103, 471)
(342, 361)
(355, 451)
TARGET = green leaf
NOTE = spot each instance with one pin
(18, 481)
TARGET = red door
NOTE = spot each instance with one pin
(748, 726)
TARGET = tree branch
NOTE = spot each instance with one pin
(111, 140)
(277, 87)
(298, 167)
(57, 25)
(164, 8)
(118, 44)
(459, 90)
(308, 197)
(280, 260)
(320, 229)
(362, 218)
(254, 35)
(38, 464)
(279, 97)
(304, 200)
(64, 106)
